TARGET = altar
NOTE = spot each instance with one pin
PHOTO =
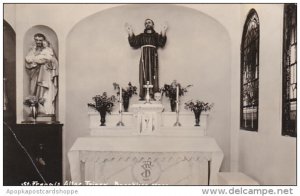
(148, 150)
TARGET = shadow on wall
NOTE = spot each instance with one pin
(197, 52)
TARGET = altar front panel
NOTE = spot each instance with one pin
(113, 168)
(145, 160)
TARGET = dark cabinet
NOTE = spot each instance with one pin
(43, 142)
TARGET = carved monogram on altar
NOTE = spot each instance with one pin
(146, 171)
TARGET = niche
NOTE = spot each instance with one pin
(41, 73)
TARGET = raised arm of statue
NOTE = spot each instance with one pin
(164, 29)
(129, 29)
(134, 41)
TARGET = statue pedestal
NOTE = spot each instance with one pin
(148, 117)
(42, 118)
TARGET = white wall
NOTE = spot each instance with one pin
(229, 15)
(265, 155)
(9, 12)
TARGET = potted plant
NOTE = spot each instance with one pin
(197, 107)
(33, 103)
(126, 93)
(103, 104)
(169, 90)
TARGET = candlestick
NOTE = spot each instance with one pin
(177, 123)
(148, 86)
(177, 98)
(120, 123)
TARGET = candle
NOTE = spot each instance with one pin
(120, 99)
(177, 93)
(177, 99)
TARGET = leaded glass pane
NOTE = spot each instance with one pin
(289, 71)
(250, 72)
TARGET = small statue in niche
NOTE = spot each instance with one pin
(42, 66)
(148, 41)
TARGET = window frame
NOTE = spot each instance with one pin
(286, 68)
(253, 84)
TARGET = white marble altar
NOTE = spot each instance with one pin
(147, 150)
(175, 160)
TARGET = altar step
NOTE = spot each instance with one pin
(132, 127)
(235, 178)
(167, 119)
(164, 131)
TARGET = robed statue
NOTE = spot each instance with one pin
(42, 67)
(149, 41)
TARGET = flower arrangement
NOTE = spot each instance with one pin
(128, 92)
(33, 101)
(198, 106)
(103, 103)
(170, 90)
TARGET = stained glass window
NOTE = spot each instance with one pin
(250, 73)
(289, 71)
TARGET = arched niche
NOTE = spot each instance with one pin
(194, 40)
(9, 73)
(28, 44)
(197, 52)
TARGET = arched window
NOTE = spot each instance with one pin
(250, 73)
(289, 71)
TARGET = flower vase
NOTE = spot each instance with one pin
(126, 103)
(102, 117)
(197, 117)
(34, 112)
(173, 105)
